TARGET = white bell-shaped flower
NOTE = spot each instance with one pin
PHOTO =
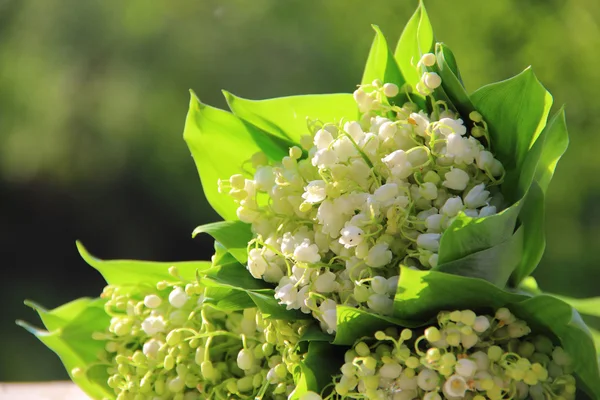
(351, 236)
(323, 139)
(315, 192)
(455, 386)
(178, 297)
(429, 241)
(307, 252)
(379, 256)
(456, 179)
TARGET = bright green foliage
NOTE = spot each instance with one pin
(68, 333)
(287, 118)
(478, 257)
(221, 144)
(417, 39)
(381, 65)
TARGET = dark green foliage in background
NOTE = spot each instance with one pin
(93, 98)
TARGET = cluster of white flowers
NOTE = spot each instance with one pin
(464, 357)
(335, 218)
(167, 343)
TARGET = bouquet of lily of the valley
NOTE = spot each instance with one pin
(375, 245)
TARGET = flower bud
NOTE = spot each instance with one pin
(390, 90)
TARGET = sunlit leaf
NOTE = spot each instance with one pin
(287, 117)
(451, 83)
(416, 39)
(382, 65)
(468, 235)
(123, 272)
(233, 235)
(494, 264)
(516, 111)
(69, 335)
(215, 135)
(537, 172)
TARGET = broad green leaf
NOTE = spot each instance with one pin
(555, 145)
(588, 306)
(69, 335)
(532, 218)
(515, 111)
(495, 264)
(537, 172)
(352, 324)
(60, 316)
(468, 235)
(215, 135)
(451, 83)
(315, 372)
(422, 294)
(120, 272)
(233, 235)
(416, 39)
(227, 299)
(382, 65)
(287, 118)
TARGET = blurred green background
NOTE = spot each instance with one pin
(93, 96)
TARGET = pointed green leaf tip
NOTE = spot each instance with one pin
(416, 39)
(69, 335)
(286, 119)
(381, 63)
(214, 135)
(123, 272)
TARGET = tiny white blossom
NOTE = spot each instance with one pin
(351, 236)
(477, 196)
(432, 80)
(452, 206)
(455, 386)
(307, 252)
(456, 179)
(487, 211)
(315, 192)
(428, 379)
(325, 283)
(427, 59)
(386, 192)
(421, 123)
(398, 164)
(465, 367)
(323, 139)
(390, 90)
(151, 347)
(354, 130)
(379, 256)
(429, 241)
(152, 301)
(178, 297)
(387, 130)
(446, 126)
(153, 325)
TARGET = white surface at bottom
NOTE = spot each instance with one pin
(41, 391)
